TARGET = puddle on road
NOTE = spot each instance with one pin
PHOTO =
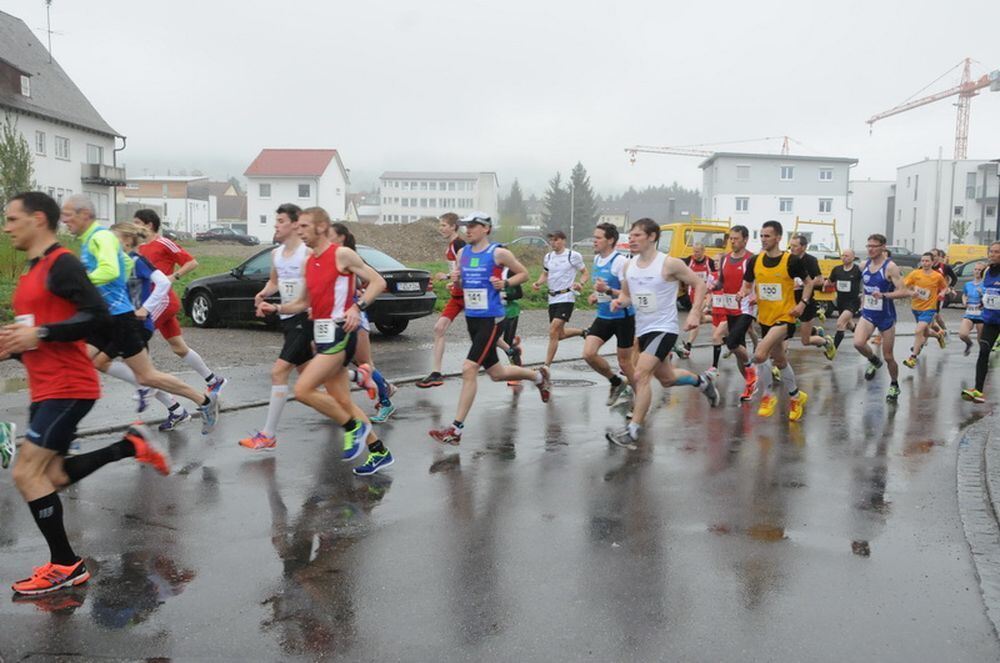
(572, 383)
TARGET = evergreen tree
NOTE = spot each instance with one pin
(556, 214)
(584, 205)
(514, 211)
(16, 165)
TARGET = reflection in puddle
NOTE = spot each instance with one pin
(129, 589)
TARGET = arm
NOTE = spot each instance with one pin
(676, 269)
(269, 288)
(105, 248)
(582, 275)
(542, 279)
(185, 268)
(624, 299)
(516, 274)
(901, 291)
(157, 301)
(748, 279)
(349, 261)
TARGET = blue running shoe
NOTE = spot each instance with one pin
(382, 413)
(142, 397)
(354, 440)
(209, 413)
(217, 384)
(174, 419)
(376, 461)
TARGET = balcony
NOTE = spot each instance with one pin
(101, 175)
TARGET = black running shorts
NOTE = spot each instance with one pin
(562, 311)
(623, 329)
(124, 337)
(297, 348)
(738, 326)
(657, 343)
(848, 304)
(484, 333)
(342, 342)
(789, 329)
(52, 424)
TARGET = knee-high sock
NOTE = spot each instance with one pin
(167, 399)
(788, 379)
(78, 467)
(716, 353)
(764, 376)
(279, 394)
(194, 360)
(48, 514)
(118, 369)
(837, 338)
(382, 385)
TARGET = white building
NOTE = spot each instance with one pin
(872, 204)
(408, 196)
(750, 189)
(73, 147)
(934, 193)
(183, 201)
(306, 177)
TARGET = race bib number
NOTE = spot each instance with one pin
(475, 299)
(991, 300)
(26, 320)
(604, 297)
(645, 302)
(290, 290)
(922, 293)
(719, 301)
(872, 303)
(324, 331)
(770, 292)
(732, 302)
(843, 286)
(974, 309)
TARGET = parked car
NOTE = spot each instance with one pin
(904, 257)
(964, 273)
(176, 235)
(529, 240)
(226, 235)
(227, 298)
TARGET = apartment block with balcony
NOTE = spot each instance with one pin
(410, 195)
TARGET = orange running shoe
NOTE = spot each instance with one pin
(51, 577)
(751, 384)
(259, 442)
(146, 450)
(365, 381)
(767, 405)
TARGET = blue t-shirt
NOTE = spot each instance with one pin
(974, 299)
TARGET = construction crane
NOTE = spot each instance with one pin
(694, 151)
(966, 90)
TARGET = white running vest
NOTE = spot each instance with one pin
(654, 299)
(291, 273)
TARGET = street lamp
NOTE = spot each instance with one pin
(572, 204)
(996, 208)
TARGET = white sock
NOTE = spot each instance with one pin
(167, 399)
(765, 377)
(278, 395)
(788, 379)
(633, 431)
(194, 360)
(538, 377)
(120, 370)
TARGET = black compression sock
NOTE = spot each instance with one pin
(378, 447)
(615, 380)
(83, 465)
(716, 353)
(837, 338)
(173, 408)
(48, 514)
(210, 379)
(351, 425)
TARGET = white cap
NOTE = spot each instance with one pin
(481, 218)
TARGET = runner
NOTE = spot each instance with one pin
(972, 300)
(926, 284)
(509, 341)
(771, 274)
(481, 265)
(651, 280)
(328, 295)
(607, 274)
(991, 324)
(797, 247)
(740, 313)
(951, 278)
(720, 320)
(102, 256)
(882, 282)
(846, 279)
(56, 307)
(560, 269)
(704, 267)
(287, 279)
(448, 229)
(164, 255)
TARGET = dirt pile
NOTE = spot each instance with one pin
(408, 243)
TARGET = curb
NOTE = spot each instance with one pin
(978, 495)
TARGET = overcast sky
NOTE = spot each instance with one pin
(523, 88)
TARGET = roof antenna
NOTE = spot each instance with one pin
(48, 25)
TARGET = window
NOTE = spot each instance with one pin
(787, 173)
(451, 186)
(26, 86)
(784, 204)
(423, 186)
(304, 191)
(913, 229)
(959, 210)
(406, 186)
(433, 202)
(991, 210)
(40, 142)
(264, 190)
(708, 238)
(413, 186)
(742, 204)
(825, 205)
(916, 185)
(62, 148)
(970, 185)
(434, 186)
(907, 181)
(258, 266)
(826, 174)
(743, 173)
(263, 219)
(95, 154)
(442, 186)
(423, 202)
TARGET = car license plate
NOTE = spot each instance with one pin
(408, 286)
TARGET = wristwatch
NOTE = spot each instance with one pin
(42, 333)
(362, 305)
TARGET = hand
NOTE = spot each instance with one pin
(173, 277)
(877, 294)
(141, 313)
(455, 277)
(600, 285)
(352, 319)
(536, 285)
(592, 299)
(799, 310)
(497, 283)
(616, 305)
(257, 299)
(693, 321)
(577, 287)
(264, 308)
(441, 276)
(15, 339)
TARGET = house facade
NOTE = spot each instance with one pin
(182, 201)
(410, 195)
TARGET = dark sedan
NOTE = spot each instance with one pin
(904, 257)
(224, 298)
(226, 235)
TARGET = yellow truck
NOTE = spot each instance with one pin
(966, 253)
(678, 239)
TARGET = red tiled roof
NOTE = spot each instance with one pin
(291, 163)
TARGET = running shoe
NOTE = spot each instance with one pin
(435, 379)
(910, 361)
(616, 391)
(447, 435)
(354, 440)
(376, 461)
(382, 413)
(973, 395)
(217, 385)
(727, 353)
(767, 405)
(797, 406)
(830, 350)
(515, 353)
(942, 340)
(820, 332)
(968, 348)
(142, 397)
(363, 378)
(821, 314)
(872, 368)
(776, 374)
(259, 442)
(893, 394)
(714, 371)
(750, 387)
(146, 451)
(708, 388)
(622, 437)
(8, 433)
(174, 419)
(209, 413)
(51, 577)
(545, 388)
(683, 352)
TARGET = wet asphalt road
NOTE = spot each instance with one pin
(722, 537)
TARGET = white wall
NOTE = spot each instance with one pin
(185, 214)
(480, 194)
(329, 192)
(869, 201)
(927, 194)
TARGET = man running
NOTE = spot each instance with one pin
(650, 284)
(165, 255)
(106, 266)
(797, 247)
(56, 307)
(772, 273)
(882, 283)
(287, 279)
(481, 264)
(565, 273)
(448, 229)
(846, 279)
(740, 313)
(951, 278)
(607, 274)
(991, 324)
(926, 284)
(330, 277)
(704, 267)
